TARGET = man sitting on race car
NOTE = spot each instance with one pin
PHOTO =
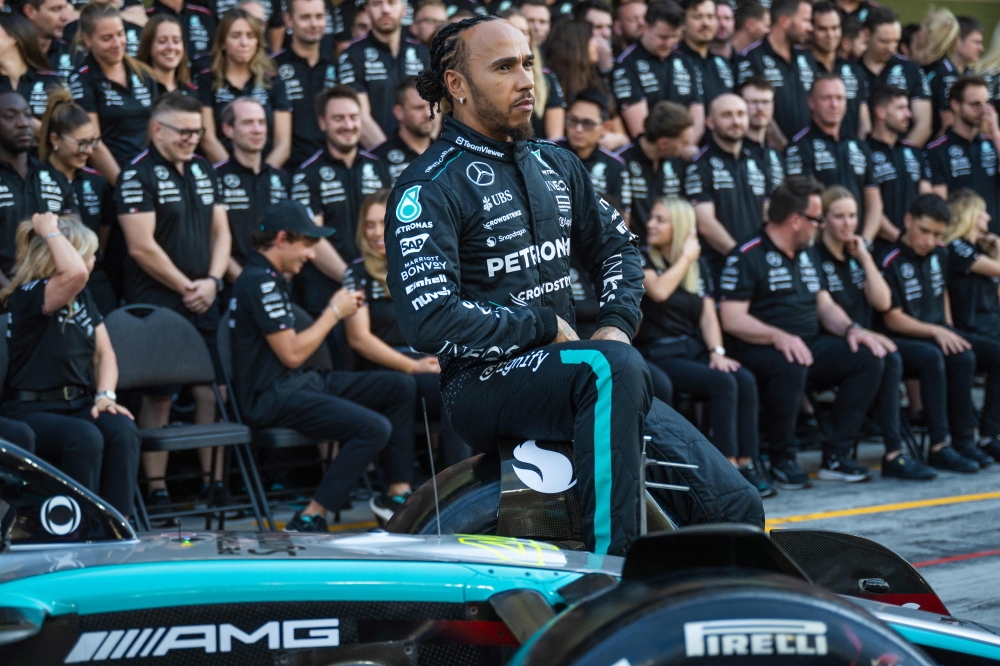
(478, 237)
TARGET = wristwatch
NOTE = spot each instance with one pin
(219, 284)
(720, 350)
(110, 395)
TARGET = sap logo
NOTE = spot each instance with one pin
(413, 244)
(554, 470)
(209, 638)
(754, 637)
(423, 299)
(426, 282)
(529, 256)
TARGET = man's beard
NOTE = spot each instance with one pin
(495, 119)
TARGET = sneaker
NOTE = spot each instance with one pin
(951, 460)
(384, 506)
(992, 447)
(302, 523)
(212, 494)
(788, 475)
(842, 468)
(158, 502)
(808, 435)
(973, 452)
(755, 478)
(905, 467)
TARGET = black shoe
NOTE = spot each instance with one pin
(951, 460)
(788, 475)
(808, 435)
(992, 447)
(301, 523)
(159, 502)
(384, 506)
(755, 478)
(842, 468)
(213, 494)
(973, 452)
(905, 467)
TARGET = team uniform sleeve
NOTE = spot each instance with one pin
(737, 281)
(892, 279)
(302, 189)
(28, 301)
(350, 72)
(917, 85)
(869, 180)
(937, 170)
(625, 86)
(744, 70)
(267, 305)
(206, 92)
(707, 285)
(83, 92)
(798, 160)
(434, 318)
(278, 95)
(556, 98)
(695, 178)
(133, 194)
(961, 256)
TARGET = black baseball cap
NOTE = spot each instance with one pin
(293, 217)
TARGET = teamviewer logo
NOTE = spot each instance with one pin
(754, 637)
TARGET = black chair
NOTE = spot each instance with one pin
(158, 347)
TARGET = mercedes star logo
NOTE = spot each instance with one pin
(480, 173)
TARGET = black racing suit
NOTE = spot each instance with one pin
(478, 238)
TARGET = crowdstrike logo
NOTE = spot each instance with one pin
(754, 637)
(554, 470)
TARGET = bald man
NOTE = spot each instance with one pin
(726, 183)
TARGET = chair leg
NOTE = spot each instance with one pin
(141, 517)
(226, 468)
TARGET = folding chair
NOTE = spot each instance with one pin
(157, 347)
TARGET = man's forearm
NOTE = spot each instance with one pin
(901, 323)
(154, 261)
(751, 330)
(834, 319)
(715, 234)
(221, 243)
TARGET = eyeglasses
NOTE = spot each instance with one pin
(186, 134)
(815, 220)
(760, 102)
(587, 125)
(82, 146)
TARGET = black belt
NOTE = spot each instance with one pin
(66, 393)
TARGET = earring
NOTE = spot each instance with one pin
(461, 100)
(55, 148)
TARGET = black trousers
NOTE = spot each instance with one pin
(101, 454)
(987, 350)
(663, 388)
(18, 434)
(593, 392)
(856, 375)
(732, 401)
(945, 388)
(453, 449)
(887, 402)
(367, 412)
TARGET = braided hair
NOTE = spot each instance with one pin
(447, 52)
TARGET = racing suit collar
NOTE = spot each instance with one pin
(467, 138)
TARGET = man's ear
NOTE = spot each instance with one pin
(397, 112)
(227, 131)
(456, 85)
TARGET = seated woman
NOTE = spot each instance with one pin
(62, 373)
(681, 334)
(973, 279)
(373, 333)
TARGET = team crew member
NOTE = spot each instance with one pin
(700, 26)
(161, 46)
(825, 42)
(957, 62)
(655, 166)
(681, 334)
(247, 184)
(587, 122)
(50, 18)
(787, 330)
(363, 410)
(884, 67)
(178, 244)
(727, 184)
(856, 285)
(332, 184)
(919, 321)
(858, 9)
(305, 72)
(834, 157)
(973, 276)
(133, 30)
(375, 66)
(17, 135)
(64, 185)
(416, 129)
(116, 90)
(751, 24)
(199, 27)
(427, 18)
(24, 68)
(965, 157)
(62, 373)
(649, 72)
(782, 59)
(241, 68)
(758, 93)
(630, 23)
(901, 171)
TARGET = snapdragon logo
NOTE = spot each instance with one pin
(754, 637)
(549, 472)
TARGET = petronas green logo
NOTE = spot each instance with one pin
(409, 207)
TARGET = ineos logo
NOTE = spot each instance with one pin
(60, 515)
(480, 173)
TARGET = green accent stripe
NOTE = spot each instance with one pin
(602, 442)
(945, 642)
(441, 170)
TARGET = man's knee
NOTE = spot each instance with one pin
(627, 367)
(86, 439)
(964, 362)
(20, 434)
(376, 431)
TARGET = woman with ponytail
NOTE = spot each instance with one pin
(24, 69)
(114, 88)
(64, 185)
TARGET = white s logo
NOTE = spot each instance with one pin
(556, 471)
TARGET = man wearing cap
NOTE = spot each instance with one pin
(365, 411)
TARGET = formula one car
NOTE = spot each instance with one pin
(78, 586)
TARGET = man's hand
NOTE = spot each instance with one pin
(200, 294)
(346, 302)
(949, 342)
(566, 332)
(425, 365)
(794, 349)
(859, 336)
(610, 333)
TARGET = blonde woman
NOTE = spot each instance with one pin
(242, 68)
(62, 373)
(680, 333)
(953, 46)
